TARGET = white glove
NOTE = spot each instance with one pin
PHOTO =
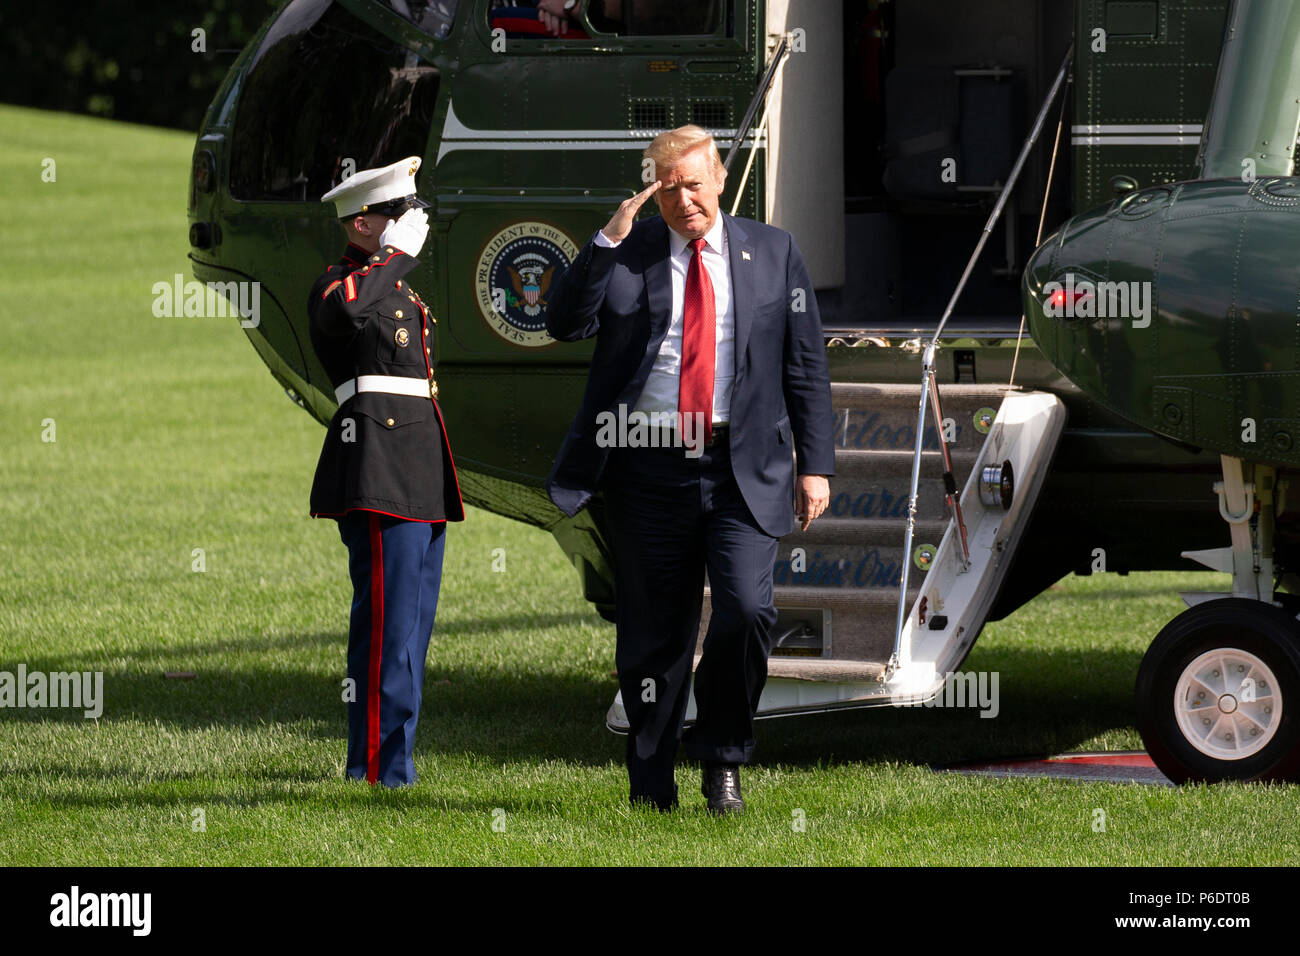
(407, 233)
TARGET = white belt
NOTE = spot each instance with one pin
(392, 384)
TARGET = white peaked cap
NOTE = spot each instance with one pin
(373, 187)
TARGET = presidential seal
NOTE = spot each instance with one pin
(513, 277)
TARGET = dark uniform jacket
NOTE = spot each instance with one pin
(383, 452)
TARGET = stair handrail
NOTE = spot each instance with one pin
(767, 87)
(779, 55)
(929, 382)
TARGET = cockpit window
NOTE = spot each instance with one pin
(327, 95)
(433, 17)
(540, 19)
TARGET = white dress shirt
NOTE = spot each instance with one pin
(662, 386)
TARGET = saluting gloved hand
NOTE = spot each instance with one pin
(407, 233)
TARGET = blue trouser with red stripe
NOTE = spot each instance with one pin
(396, 569)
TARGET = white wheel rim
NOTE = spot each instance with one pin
(1228, 704)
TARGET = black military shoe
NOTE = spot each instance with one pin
(721, 788)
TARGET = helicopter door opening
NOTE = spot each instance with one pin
(893, 126)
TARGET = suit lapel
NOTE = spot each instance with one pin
(657, 275)
(740, 252)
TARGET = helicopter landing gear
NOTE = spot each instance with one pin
(1218, 692)
(1249, 508)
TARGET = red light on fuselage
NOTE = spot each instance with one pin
(1062, 303)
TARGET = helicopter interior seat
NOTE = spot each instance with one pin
(951, 135)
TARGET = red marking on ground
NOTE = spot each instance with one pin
(1130, 766)
(1117, 758)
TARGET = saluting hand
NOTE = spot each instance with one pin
(618, 227)
(408, 233)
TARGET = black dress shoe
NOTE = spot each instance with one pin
(721, 788)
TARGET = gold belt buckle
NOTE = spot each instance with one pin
(433, 388)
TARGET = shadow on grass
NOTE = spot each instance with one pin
(1048, 701)
(449, 627)
(1124, 593)
(181, 791)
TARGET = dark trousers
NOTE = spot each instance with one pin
(396, 570)
(670, 518)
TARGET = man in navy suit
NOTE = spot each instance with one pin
(706, 329)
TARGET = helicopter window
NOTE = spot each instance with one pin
(327, 95)
(433, 17)
(521, 20)
(655, 17)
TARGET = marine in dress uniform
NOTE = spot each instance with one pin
(385, 472)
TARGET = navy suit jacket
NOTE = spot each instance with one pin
(780, 399)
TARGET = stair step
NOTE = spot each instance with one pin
(795, 668)
(814, 669)
(852, 567)
(843, 599)
(879, 441)
(858, 462)
(885, 497)
(862, 394)
(887, 531)
(882, 418)
(861, 620)
(843, 557)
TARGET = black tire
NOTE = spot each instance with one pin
(1269, 634)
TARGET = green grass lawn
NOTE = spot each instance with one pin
(172, 436)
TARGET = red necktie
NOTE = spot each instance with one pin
(699, 319)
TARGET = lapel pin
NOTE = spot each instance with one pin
(744, 254)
